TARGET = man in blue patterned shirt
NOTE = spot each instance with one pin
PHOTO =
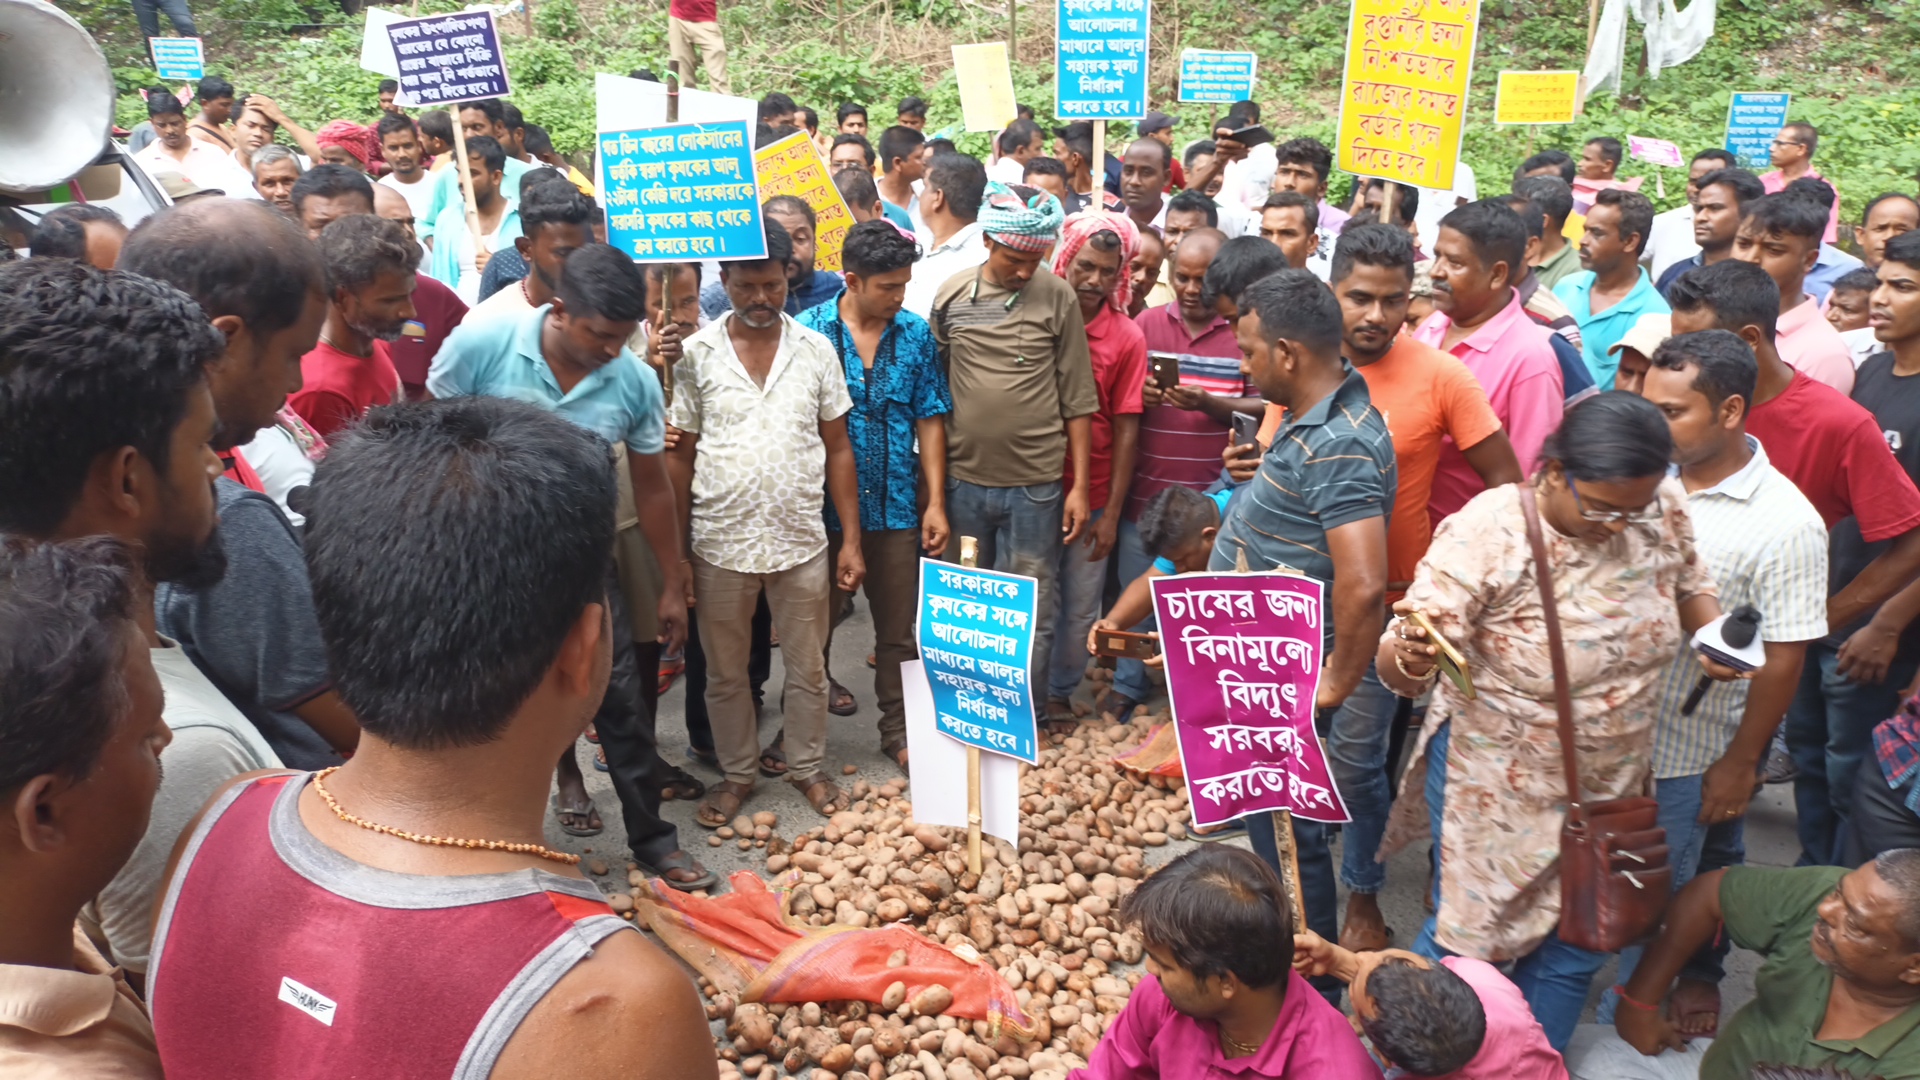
(899, 393)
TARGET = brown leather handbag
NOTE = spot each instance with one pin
(1614, 876)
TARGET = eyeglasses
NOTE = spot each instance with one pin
(1607, 517)
(1787, 142)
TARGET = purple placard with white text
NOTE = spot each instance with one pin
(1242, 655)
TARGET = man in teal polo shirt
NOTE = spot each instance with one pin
(571, 356)
(1612, 291)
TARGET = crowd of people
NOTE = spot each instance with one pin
(352, 498)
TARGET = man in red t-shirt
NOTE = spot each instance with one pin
(437, 308)
(1834, 451)
(1093, 256)
(370, 281)
(697, 22)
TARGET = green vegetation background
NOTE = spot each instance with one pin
(1853, 66)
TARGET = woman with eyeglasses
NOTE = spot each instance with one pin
(1487, 778)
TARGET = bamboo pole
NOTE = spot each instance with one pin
(466, 183)
(970, 557)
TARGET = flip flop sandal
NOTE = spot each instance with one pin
(1117, 705)
(777, 754)
(895, 749)
(600, 758)
(820, 793)
(680, 860)
(590, 814)
(722, 804)
(670, 671)
(1231, 829)
(840, 700)
(873, 660)
(680, 785)
(593, 735)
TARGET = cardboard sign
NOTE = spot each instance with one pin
(1753, 119)
(682, 192)
(1242, 655)
(445, 59)
(1655, 151)
(376, 49)
(1536, 97)
(1100, 59)
(937, 767)
(976, 644)
(1222, 77)
(178, 59)
(986, 86)
(793, 166)
(1404, 99)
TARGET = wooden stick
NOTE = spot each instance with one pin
(1099, 166)
(970, 556)
(1283, 841)
(466, 182)
(1013, 31)
(669, 271)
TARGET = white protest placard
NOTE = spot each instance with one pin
(623, 104)
(937, 769)
(376, 49)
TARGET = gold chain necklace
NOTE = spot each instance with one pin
(1236, 1047)
(320, 789)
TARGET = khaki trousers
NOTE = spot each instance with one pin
(682, 36)
(797, 596)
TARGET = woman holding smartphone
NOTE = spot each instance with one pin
(1487, 778)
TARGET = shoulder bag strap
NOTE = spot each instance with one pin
(1562, 695)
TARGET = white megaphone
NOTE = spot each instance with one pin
(1732, 639)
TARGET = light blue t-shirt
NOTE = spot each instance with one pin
(620, 401)
(1220, 499)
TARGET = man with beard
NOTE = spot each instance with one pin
(438, 311)
(370, 275)
(105, 423)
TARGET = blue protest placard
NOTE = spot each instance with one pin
(448, 58)
(1752, 121)
(1100, 59)
(976, 644)
(682, 191)
(1212, 75)
(178, 59)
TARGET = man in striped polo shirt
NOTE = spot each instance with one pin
(1765, 545)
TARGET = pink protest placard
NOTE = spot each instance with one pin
(1655, 151)
(1242, 655)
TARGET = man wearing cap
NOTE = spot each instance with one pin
(1159, 127)
(1014, 344)
(1634, 351)
(180, 189)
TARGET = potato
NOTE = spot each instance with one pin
(891, 998)
(933, 1000)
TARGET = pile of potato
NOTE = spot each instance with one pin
(1044, 916)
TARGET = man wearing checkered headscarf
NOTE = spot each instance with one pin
(1014, 343)
(1086, 224)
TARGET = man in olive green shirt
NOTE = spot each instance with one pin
(1840, 986)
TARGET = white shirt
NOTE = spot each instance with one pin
(419, 194)
(963, 250)
(1007, 171)
(468, 287)
(205, 163)
(1252, 176)
(1436, 203)
(281, 465)
(1862, 344)
(1671, 239)
(760, 466)
(1235, 220)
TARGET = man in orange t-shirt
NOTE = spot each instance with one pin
(1428, 398)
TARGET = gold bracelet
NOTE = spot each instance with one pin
(1401, 663)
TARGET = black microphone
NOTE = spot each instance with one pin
(1737, 632)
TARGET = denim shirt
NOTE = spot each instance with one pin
(905, 385)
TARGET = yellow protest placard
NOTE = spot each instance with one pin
(1536, 97)
(1404, 99)
(986, 85)
(793, 166)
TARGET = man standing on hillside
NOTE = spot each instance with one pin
(693, 23)
(1792, 158)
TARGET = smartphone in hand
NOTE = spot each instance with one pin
(1246, 429)
(1166, 369)
(1125, 643)
(1451, 662)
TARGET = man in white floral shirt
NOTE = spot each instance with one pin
(761, 402)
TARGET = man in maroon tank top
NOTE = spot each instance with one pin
(401, 915)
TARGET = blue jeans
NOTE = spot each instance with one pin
(1554, 977)
(1019, 533)
(148, 12)
(1692, 849)
(1130, 676)
(1829, 730)
(1081, 586)
(1357, 753)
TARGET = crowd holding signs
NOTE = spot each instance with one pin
(1186, 505)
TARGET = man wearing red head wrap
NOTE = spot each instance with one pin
(343, 142)
(1095, 251)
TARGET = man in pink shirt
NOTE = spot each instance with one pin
(1781, 235)
(1461, 1019)
(1792, 159)
(1481, 321)
(1220, 997)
